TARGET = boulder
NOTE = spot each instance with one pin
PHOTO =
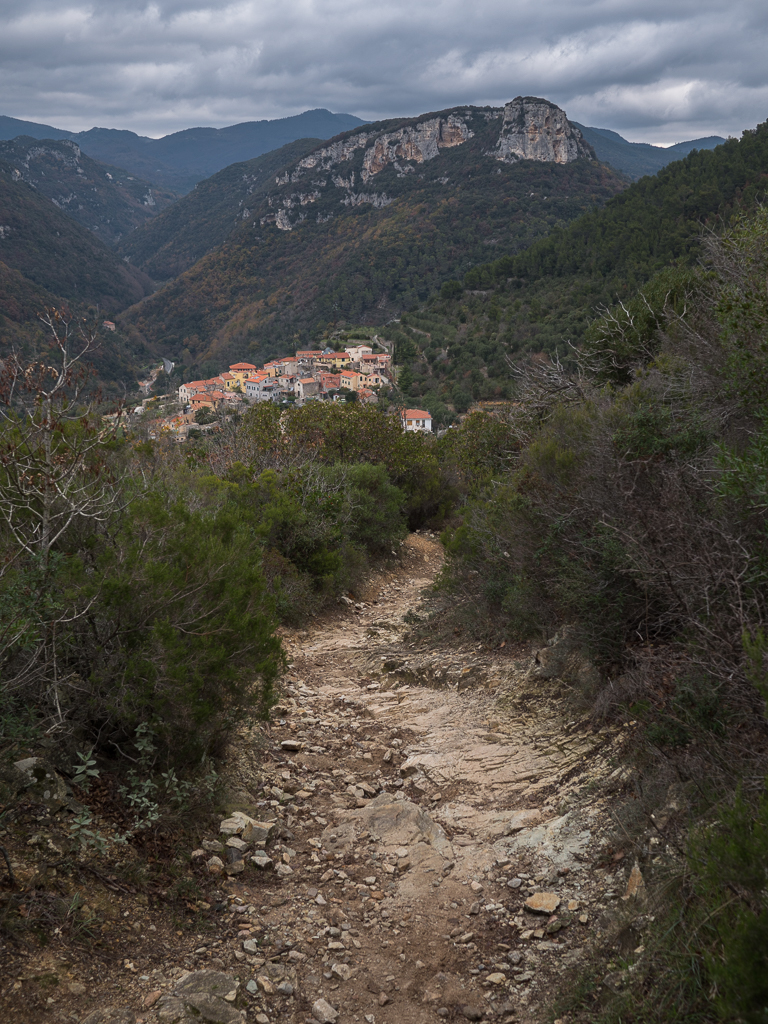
(111, 1015)
(203, 996)
(42, 783)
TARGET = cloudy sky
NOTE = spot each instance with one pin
(655, 71)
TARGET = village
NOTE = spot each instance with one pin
(310, 375)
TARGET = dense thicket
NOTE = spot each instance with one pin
(635, 509)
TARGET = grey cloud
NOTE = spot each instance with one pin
(657, 71)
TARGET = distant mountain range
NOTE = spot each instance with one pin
(180, 160)
(636, 159)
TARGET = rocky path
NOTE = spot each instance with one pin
(423, 847)
(423, 838)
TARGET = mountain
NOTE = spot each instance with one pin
(11, 127)
(636, 159)
(56, 254)
(371, 223)
(48, 259)
(455, 348)
(179, 160)
(100, 197)
(204, 218)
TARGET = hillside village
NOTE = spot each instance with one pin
(310, 375)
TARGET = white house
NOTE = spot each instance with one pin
(416, 419)
(356, 351)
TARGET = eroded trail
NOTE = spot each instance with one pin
(438, 848)
(426, 844)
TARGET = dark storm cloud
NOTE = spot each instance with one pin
(656, 71)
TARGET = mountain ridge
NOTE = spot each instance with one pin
(369, 223)
(637, 159)
(181, 159)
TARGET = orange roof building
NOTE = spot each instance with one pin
(416, 419)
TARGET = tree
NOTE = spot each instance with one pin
(205, 415)
(56, 478)
(52, 466)
(120, 604)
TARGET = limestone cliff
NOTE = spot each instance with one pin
(416, 143)
(402, 149)
(535, 129)
(527, 128)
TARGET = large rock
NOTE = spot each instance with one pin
(42, 783)
(324, 1012)
(397, 823)
(561, 842)
(247, 828)
(111, 1015)
(535, 129)
(203, 996)
(543, 902)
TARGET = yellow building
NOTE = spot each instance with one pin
(240, 372)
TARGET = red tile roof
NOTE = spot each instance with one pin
(416, 414)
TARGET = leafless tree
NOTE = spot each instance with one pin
(53, 470)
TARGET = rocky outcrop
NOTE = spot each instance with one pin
(328, 156)
(535, 129)
(417, 143)
(528, 129)
(376, 199)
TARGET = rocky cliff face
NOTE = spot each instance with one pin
(402, 149)
(526, 129)
(535, 129)
(416, 144)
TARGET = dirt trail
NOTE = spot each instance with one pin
(420, 818)
(430, 846)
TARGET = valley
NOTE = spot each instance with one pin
(356, 232)
(442, 702)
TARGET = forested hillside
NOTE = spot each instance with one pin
(105, 199)
(206, 216)
(47, 259)
(50, 249)
(455, 348)
(324, 246)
